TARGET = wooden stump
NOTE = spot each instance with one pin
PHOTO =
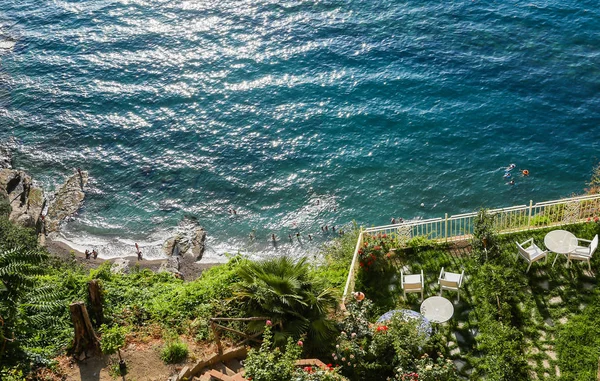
(96, 301)
(85, 340)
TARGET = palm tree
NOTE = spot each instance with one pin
(287, 292)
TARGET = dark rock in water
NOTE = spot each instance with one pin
(5, 158)
(188, 236)
(198, 243)
(120, 266)
(67, 201)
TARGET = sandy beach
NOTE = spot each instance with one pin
(189, 268)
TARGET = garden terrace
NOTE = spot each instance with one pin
(509, 324)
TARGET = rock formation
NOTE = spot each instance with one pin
(198, 243)
(187, 237)
(120, 266)
(67, 201)
(25, 199)
(171, 265)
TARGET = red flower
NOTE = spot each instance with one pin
(596, 219)
(300, 343)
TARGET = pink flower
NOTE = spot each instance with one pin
(269, 323)
(300, 343)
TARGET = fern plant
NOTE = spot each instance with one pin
(19, 296)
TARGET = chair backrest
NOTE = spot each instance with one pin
(448, 283)
(412, 286)
(594, 245)
(523, 252)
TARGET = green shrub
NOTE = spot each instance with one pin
(540, 220)
(578, 345)
(5, 209)
(174, 351)
(113, 339)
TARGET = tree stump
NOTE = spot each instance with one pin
(85, 337)
(96, 300)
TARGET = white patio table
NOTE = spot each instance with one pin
(437, 309)
(560, 242)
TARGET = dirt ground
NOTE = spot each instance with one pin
(143, 363)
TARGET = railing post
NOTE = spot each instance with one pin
(446, 226)
(529, 218)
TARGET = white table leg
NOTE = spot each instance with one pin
(557, 255)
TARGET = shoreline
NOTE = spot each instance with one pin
(189, 269)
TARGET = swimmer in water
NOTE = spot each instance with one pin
(511, 182)
(507, 175)
(510, 167)
(525, 172)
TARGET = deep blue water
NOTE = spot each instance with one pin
(190, 107)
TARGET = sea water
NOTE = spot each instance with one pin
(297, 114)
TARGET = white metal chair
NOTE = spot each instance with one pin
(412, 283)
(583, 253)
(450, 281)
(532, 253)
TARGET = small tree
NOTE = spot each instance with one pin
(113, 339)
(484, 243)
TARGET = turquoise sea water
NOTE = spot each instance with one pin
(191, 107)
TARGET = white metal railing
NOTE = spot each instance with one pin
(508, 220)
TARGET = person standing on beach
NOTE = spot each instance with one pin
(139, 252)
(94, 254)
(87, 254)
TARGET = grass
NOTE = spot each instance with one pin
(545, 301)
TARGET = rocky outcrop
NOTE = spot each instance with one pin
(25, 199)
(189, 236)
(171, 265)
(120, 266)
(67, 201)
(198, 243)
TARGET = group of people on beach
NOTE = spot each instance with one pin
(92, 254)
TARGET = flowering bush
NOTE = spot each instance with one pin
(394, 349)
(312, 373)
(376, 252)
(356, 322)
(267, 364)
(429, 370)
(441, 369)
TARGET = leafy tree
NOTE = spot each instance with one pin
(290, 295)
(485, 243)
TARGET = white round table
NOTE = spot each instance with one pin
(560, 242)
(437, 309)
